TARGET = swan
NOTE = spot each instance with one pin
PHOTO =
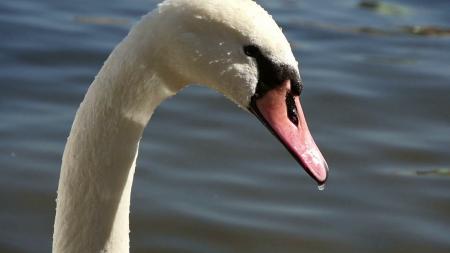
(233, 46)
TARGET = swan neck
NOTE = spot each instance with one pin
(99, 160)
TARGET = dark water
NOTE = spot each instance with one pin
(377, 99)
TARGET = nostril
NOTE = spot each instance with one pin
(292, 112)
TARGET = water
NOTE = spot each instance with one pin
(210, 178)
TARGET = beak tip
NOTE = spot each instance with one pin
(322, 178)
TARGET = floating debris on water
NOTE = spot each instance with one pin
(434, 172)
(427, 30)
(369, 4)
(382, 8)
(408, 30)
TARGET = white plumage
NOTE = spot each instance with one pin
(181, 42)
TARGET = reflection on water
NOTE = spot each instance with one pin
(377, 106)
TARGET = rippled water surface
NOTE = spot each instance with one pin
(210, 178)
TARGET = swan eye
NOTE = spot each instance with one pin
(251, 50)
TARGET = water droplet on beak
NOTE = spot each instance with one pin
(321, 187)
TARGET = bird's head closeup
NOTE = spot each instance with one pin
(236, 48)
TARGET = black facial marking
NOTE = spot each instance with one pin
(292, 112)
(296, 87)
(271, 74)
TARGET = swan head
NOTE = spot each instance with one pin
(236, 48)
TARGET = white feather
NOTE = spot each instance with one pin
(182, 42)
